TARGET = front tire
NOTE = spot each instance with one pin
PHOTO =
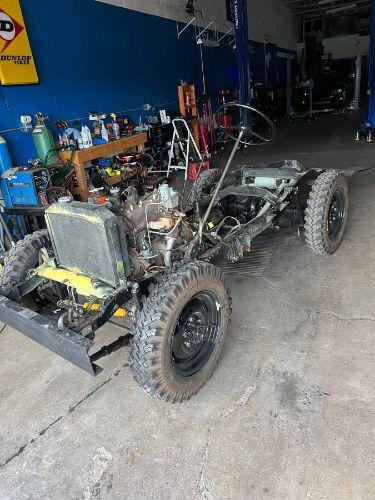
(20, 260)
(327, 213)
(180, 332)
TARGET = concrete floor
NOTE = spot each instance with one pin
(289, 413)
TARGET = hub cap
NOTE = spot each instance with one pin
(196, 333)
(336, 214)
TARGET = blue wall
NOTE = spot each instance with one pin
(93, 56)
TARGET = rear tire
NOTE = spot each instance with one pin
(180, 332)
(327, 213)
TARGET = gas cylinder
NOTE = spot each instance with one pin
(5, 164)
(5, 161)
(43, 141)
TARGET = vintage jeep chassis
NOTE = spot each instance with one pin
(276, 184)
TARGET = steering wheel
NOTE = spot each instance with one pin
(247, 125)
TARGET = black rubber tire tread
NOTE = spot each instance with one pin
(317, 210)
(150, 358)
(205, 181)
(19, 260)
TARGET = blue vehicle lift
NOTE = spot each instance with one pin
(368, 126)
(242, 49)
(371, 70)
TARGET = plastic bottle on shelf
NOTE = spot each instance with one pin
(84, 137)
(65, 140)
(104, 133)
(80, 141)
(115, 127)
(89, 138)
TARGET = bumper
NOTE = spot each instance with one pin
(66, 343)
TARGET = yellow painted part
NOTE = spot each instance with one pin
(58, 208)
(120, 313)
(83, 284)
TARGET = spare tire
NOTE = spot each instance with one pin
(203, 186)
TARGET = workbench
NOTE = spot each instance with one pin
(83, 157)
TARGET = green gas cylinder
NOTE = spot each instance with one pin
(44, 144)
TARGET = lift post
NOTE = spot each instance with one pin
(242, 49)
(371, 71)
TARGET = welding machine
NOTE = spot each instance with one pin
(21, 187)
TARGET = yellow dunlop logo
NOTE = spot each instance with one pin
(16, 59)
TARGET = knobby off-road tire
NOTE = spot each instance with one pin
(327, 211)
(20, 259)
(163, 360)
(203, 186)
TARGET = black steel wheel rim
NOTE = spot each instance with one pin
(336, 214)
(196, 332)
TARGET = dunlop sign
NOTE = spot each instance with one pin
(16, 59)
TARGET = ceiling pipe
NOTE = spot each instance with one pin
(328, 3)
(360, 4)
(290, 2)
(341, 9)
(325, 2)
